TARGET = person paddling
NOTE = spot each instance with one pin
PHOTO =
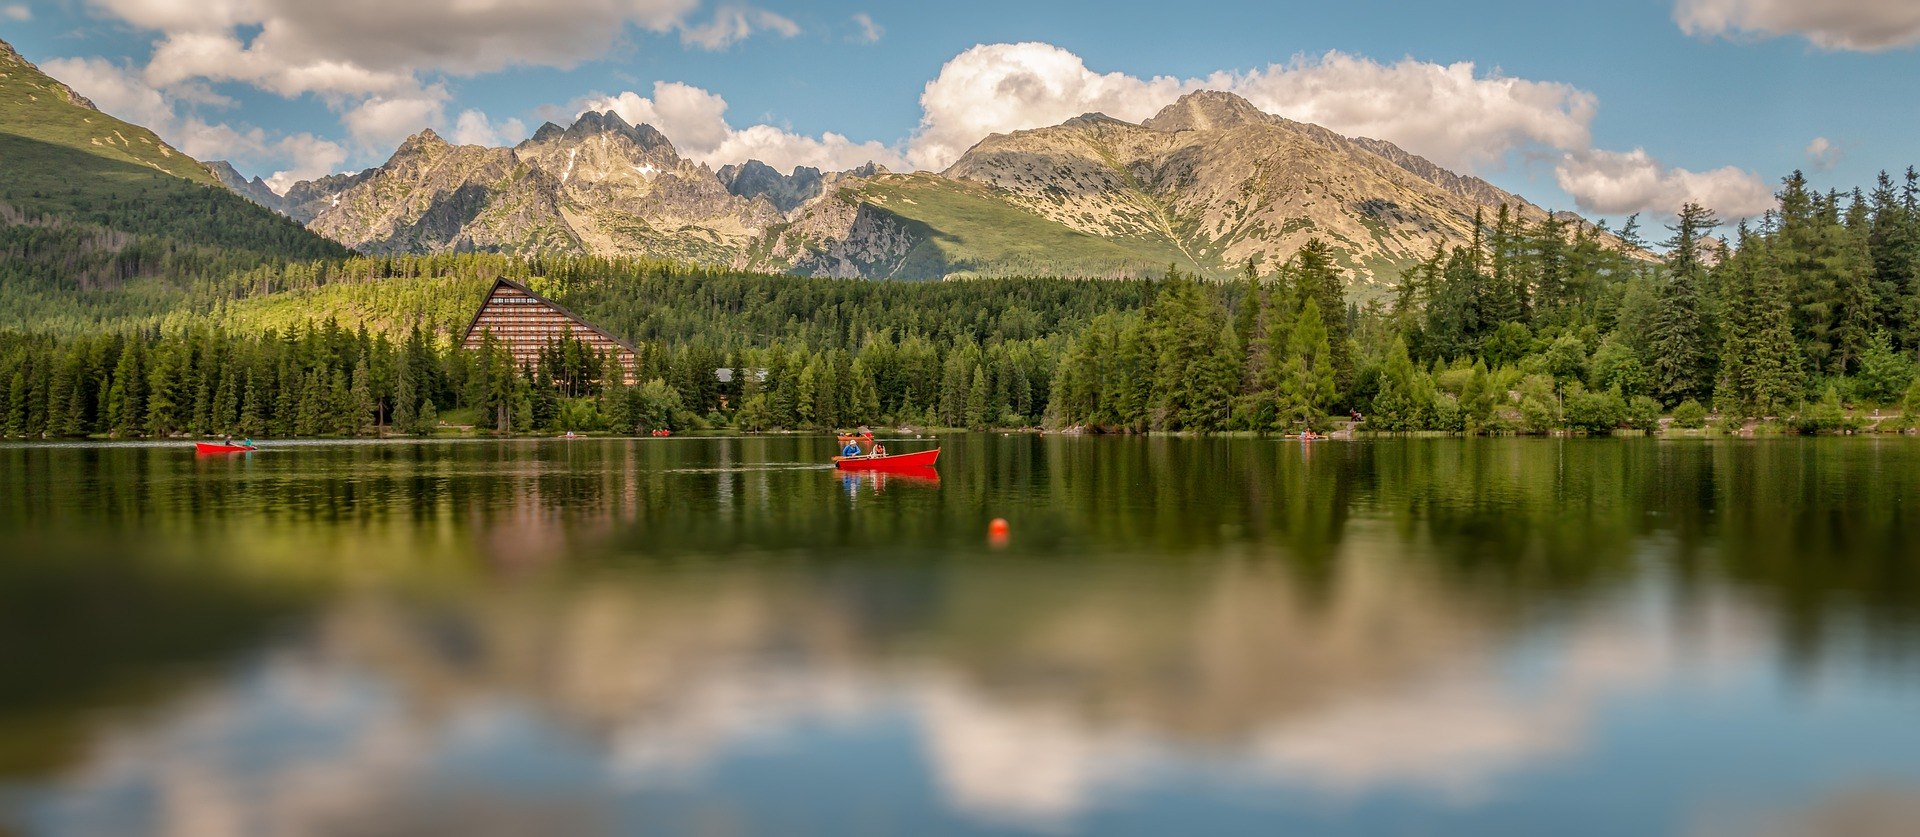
(848, 446)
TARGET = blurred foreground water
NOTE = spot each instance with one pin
(1182, 636)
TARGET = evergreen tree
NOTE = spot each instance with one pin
(1681, 366)
(1308, 383)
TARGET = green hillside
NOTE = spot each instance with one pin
(975, 232)
(91, 205)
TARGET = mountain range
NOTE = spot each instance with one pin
(1207, 184)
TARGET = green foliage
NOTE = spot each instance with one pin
(1690, 415)
(1884, 373)
(1594, 412)
(1827, 416)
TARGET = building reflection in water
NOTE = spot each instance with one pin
(579, 638)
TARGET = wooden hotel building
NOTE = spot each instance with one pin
(526, 322)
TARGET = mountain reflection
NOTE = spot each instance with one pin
(514, 638)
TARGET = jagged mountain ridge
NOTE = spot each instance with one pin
(1208, 183)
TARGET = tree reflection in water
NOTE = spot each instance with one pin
(337, 638)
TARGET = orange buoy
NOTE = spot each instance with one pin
(997, 532)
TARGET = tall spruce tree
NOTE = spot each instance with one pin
(1682, 368)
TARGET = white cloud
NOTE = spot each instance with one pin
(460, 36)
(380, 123)
(870, 32)
(17, 12)
(1823, 154)
(1448, 113)
(372, 60)
(203, 140)
(113, 89)
(1618, 183)
(1860, 25)
(309, 157)
(695, 121)
(732, 24)
(998, 88)
(124, 94)
(474, 128)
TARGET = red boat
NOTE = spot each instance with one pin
(215, 447)
(894, 462)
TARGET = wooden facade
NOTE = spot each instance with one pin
(526, 322)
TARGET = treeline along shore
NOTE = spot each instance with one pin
(1806, 320)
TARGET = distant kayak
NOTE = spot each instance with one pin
(894, 462)
(215, 447)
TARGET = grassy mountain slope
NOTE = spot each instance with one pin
(90, 205)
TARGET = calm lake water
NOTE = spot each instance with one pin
(1181, 636)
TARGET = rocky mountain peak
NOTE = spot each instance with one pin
(1093, 119)
(425, 142)
(1207, 110)
(597, 123)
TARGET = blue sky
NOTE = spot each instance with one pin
(1608, 108)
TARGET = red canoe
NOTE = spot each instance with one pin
(211, 447)
(896, 462)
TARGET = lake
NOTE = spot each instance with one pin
(1178, 636)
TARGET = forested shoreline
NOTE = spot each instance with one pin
(1807, 320)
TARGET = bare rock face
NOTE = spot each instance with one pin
(434, 197)
(842, 236)
(1210, 183)
(255, 190)
(1222, 183)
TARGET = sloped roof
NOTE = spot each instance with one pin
(564, 311)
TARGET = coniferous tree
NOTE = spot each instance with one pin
(1308, 383)
(1681, 367)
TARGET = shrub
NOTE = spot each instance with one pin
(1690, 415)
(1642, 413)
(1594, 412)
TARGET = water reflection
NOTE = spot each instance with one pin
(713, 636)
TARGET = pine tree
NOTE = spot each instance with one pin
(1681, 368)
(360, 398)
(1308, 382)
(1246, 325)
(979, 404)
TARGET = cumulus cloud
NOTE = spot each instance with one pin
(373, 60)
(125, 94)
(732, 24)
(999, 88)
(1823, 154)
(380, 123)
(114, 89)
(17, 12)
(870, 32)
(475, 128)
(458, 36)
(1451, 114)
(307, 157)
(1618, 183)
(1859, 25)
(695, 120)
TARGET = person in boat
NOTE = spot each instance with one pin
(848, 445)
(247, 443)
